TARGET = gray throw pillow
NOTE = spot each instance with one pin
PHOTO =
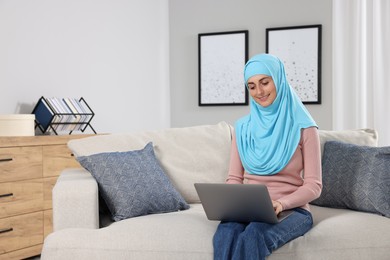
(355, 177)
(133, 183)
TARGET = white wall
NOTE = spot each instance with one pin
(114, 53)
(191, 17)
(137, 68)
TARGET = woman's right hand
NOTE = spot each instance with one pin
(278, 207)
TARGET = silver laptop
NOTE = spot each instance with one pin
(238, 203)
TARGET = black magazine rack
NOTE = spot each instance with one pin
(62, 115)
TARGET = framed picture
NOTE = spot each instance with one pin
(299, 48)
(222, 57)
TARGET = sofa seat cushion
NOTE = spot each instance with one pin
(336, 234)
(340, 234)
(177, 235)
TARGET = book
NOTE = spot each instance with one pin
(77, 117)
(56, 119)
(86, 110)
(80, 111)
(59, 112)
(43, 114)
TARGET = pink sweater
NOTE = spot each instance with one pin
(289, 186)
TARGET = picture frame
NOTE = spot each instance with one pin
(221, 60)
(299, 47)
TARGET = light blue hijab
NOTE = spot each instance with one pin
(268, 137)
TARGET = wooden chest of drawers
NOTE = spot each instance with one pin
(29, 167)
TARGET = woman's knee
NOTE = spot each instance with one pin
(228, 230)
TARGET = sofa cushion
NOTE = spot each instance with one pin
(368, 137)
(336, 234)
(187, 155)
(339, 234)
(356, 177)
(176, 235)
(132, 183)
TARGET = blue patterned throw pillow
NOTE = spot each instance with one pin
(133, 183)
(356, 177)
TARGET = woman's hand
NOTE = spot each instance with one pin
(277, 206)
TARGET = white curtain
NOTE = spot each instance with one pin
(361, 66)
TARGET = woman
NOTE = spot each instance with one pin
(276, 144)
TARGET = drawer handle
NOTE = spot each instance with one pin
(6, 195)
(5, 230)
(6, 160)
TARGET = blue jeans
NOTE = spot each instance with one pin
(256, 240)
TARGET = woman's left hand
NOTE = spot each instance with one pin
(277, 206)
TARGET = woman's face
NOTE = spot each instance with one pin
(262, 89)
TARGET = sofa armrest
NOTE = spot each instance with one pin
(75, 200)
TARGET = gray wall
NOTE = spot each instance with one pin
(188, 18)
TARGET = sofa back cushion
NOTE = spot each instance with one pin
(187, 155)
(367, 137)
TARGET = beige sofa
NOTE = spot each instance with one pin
(189, 155)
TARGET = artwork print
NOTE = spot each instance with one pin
(299, 48)
(222, 57)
